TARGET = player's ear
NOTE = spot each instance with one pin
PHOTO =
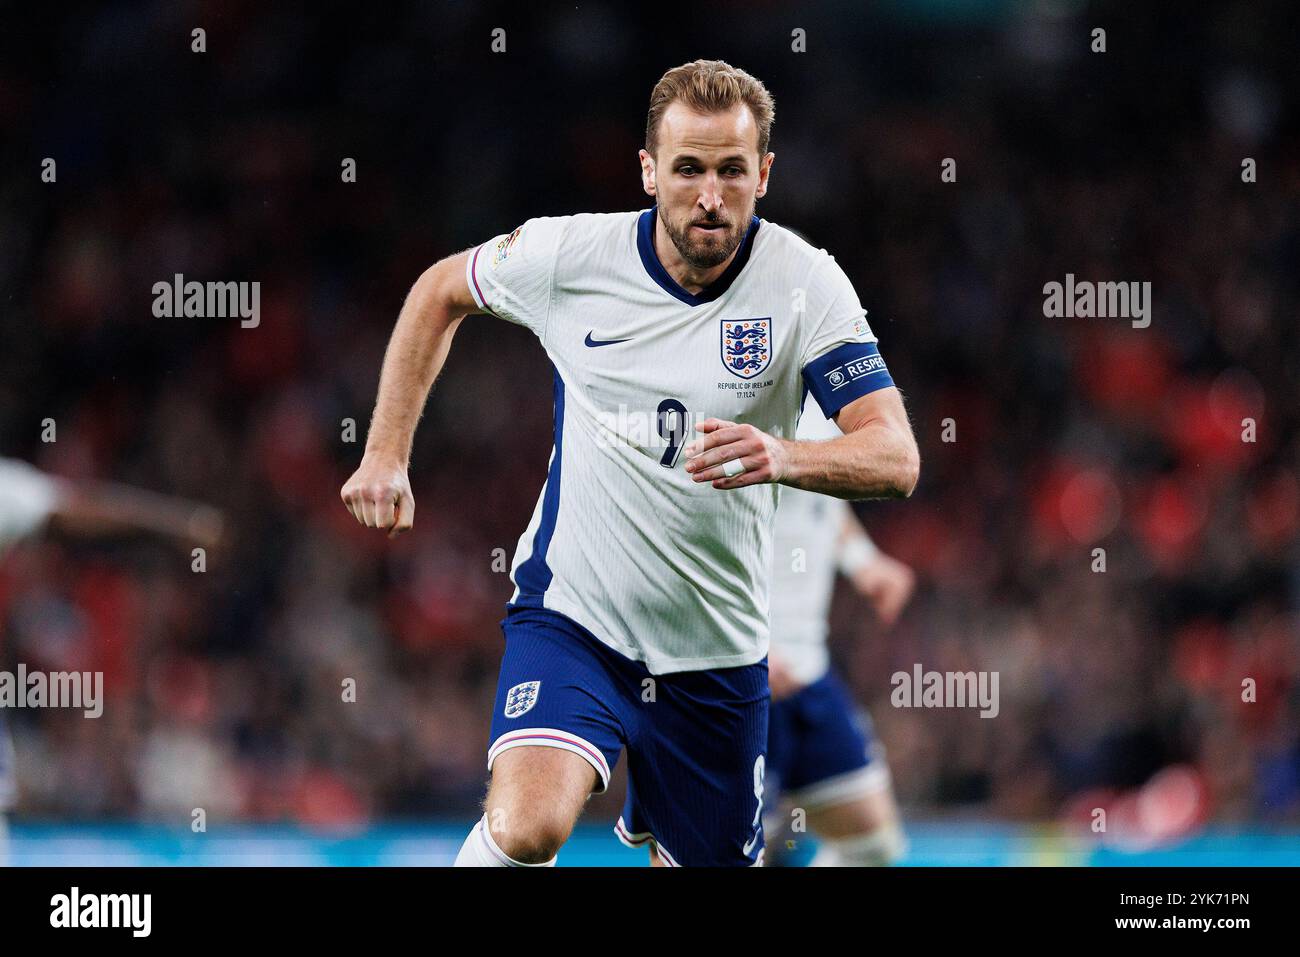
(764, 169)
(647, 172)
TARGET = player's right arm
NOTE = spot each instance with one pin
(379, 494)
(510, 277)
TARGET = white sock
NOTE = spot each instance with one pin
(479, 850)
(880, 848)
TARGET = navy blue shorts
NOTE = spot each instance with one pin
(696, 740)
(820, 748)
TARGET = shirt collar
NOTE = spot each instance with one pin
(650, 259)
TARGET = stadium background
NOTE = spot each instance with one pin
(1119, 690)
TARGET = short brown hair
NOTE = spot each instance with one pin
(710, 86)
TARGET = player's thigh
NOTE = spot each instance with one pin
(538, 788)
(559, 689)
(855, 816)
(696, 769)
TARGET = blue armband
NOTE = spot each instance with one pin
(846, 373)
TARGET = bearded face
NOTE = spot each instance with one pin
(706, 238)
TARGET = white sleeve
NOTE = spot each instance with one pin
(27, 498)
(511, 276)
(841, 359)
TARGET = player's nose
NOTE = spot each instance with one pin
(710, 194)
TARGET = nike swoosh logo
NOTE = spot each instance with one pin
(594, 343)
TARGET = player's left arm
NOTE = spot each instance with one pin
(845, 374)
(876, 457)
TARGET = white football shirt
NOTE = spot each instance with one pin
(622, 541)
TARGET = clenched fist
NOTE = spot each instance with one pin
(379, 496)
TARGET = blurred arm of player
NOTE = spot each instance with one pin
(92, 509)
(379, 494)
(876, 457)
(884, 581)
(31, 500)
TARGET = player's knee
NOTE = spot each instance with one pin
(534, 801)
(533, 838)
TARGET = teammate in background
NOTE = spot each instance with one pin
(639, 617)
(31, 501)
(821, 753)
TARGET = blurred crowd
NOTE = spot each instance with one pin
(1042, 439)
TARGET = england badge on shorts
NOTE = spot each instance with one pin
(746, 346)
(521, 698)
